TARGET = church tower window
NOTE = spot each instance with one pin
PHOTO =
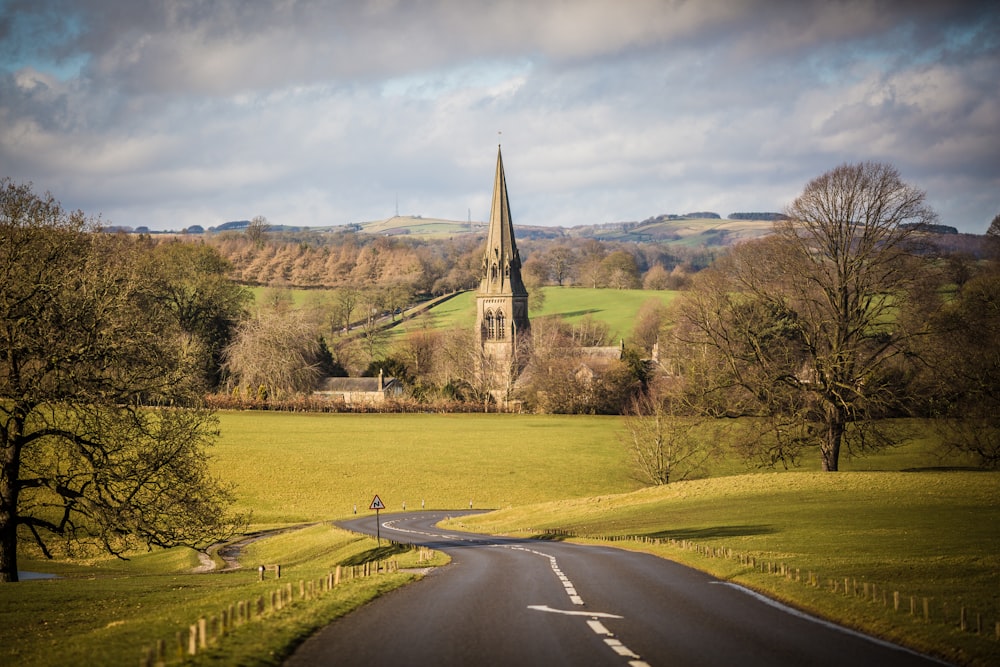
(490, 325)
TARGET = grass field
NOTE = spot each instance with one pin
(617, 308)
(294, 468)
(931, 532)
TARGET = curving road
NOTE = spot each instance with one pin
(508, 601)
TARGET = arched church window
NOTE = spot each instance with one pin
(490, 325)
(500, 324)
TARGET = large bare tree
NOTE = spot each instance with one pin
(806, 328)
(102, 442)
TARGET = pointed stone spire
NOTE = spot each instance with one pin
(502, 300)
(501, 262)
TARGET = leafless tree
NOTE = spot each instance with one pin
(804, 326)
(256, 230)
(664, 446)
(274, 354)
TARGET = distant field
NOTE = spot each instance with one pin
(618, 308)
(292, 468)
(424, 228)
(692, 232)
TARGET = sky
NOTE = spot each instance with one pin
(174, 113)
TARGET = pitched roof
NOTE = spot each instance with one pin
(355, 385)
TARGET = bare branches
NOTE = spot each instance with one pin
(274, 352)
(804, 327)
(664, 446)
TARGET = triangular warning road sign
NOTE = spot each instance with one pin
(377, 504)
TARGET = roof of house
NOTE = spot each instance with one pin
(355, 385)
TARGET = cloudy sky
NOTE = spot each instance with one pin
(173, 113)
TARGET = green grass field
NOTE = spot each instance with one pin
(930, 532)
(295, 468)
(617, 308)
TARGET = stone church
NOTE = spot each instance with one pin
(501, 300)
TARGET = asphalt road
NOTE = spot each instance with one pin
(506, 601)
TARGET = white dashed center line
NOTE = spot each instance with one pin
(595, 625)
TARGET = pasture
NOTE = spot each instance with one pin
(616, 308)
(928, 532)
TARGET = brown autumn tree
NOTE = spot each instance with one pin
(806, 329)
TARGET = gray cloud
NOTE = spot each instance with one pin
(180, 113)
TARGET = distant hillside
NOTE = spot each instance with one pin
(407, 225)
(667, 228)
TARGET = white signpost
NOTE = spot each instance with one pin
(377, 505)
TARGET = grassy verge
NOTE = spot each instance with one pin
(109, 612)
(799, 536)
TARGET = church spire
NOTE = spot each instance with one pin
(501, 261)
(502, 301)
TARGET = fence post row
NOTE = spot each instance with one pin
(206, 631)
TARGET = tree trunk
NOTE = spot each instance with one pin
(8, 518)
(830, 448)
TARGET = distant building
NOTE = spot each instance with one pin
(361, 391)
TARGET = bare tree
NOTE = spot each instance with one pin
(372, 302)
(256, 230)
(663, 446)
(346, 302)
(274, 354)
(804, 326)
(561, 261)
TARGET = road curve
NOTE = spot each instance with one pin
(508, 601)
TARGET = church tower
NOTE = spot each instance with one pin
(502, 300)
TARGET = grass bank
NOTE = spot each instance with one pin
(107, 612)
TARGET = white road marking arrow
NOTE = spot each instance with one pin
(591, 614)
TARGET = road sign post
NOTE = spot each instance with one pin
(377, 505)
